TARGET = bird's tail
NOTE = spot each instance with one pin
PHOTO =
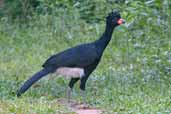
(32, 80)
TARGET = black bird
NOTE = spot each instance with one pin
(77, 62)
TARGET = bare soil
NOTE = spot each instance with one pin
(79, 108)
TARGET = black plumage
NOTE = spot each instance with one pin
(79, 56)
(84, 56)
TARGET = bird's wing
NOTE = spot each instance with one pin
(80, 56)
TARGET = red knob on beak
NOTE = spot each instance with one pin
(120, 21)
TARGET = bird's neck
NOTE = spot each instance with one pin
(105, 38)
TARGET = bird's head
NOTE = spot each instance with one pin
(114, 19)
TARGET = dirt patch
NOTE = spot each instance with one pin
(79, 108)
(88, 111)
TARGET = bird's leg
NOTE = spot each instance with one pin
(70, 86)
(69, 90)
(82, 87)
(83, 95)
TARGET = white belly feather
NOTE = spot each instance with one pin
(70, 72)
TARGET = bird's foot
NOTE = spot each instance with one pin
(84, 106)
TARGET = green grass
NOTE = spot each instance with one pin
(31, 106)
(133, 76)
